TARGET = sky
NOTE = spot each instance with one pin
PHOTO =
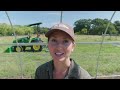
(49, 18)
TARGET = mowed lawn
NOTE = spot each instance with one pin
(23, 64)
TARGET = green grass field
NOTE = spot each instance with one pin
(22, 65)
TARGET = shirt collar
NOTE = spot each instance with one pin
(73, 72)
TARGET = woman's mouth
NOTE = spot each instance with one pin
(59, 54)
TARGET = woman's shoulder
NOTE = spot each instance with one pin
(83, 74)
(45, 65)
(42, 71)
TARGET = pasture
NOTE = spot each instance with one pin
(22, 65)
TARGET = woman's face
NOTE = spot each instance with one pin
(60, 46)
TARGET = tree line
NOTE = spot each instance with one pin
(95, 26)
(7, 30)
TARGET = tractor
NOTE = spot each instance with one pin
(24, 47)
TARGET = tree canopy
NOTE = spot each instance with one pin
(96, 26)
(6, 30)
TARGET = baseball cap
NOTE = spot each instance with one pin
(61, 27)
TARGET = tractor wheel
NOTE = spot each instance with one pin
(23, 47)
(18, 49)
(36, 48)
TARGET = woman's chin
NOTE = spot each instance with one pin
(59, 59)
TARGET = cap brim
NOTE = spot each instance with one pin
(54, 30)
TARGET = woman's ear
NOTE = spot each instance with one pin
(73, 46)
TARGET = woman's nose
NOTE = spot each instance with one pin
(59, 44)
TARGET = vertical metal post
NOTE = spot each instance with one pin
(11, 26)
(21, 63)
(61, 17)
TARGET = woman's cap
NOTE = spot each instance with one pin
(61, 27)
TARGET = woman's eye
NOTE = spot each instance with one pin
(66, 41)
(53, 40)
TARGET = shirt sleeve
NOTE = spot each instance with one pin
(84, 74)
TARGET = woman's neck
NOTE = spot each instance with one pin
(60, 75)
(61, 69)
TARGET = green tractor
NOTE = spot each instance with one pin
(28, 40)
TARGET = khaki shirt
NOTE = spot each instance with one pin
(45, 71)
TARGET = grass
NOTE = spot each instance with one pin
(15, 65)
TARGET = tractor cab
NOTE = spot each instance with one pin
(37, 38)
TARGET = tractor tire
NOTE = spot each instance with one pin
(24, 47)
(18, 49)
(36, 48)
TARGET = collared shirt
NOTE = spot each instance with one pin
(45, 71)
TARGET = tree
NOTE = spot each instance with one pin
(84, 31)
(44, 30)
(82, 23)
(117, 26)
(99, 26)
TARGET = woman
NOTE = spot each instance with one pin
(61, 44)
